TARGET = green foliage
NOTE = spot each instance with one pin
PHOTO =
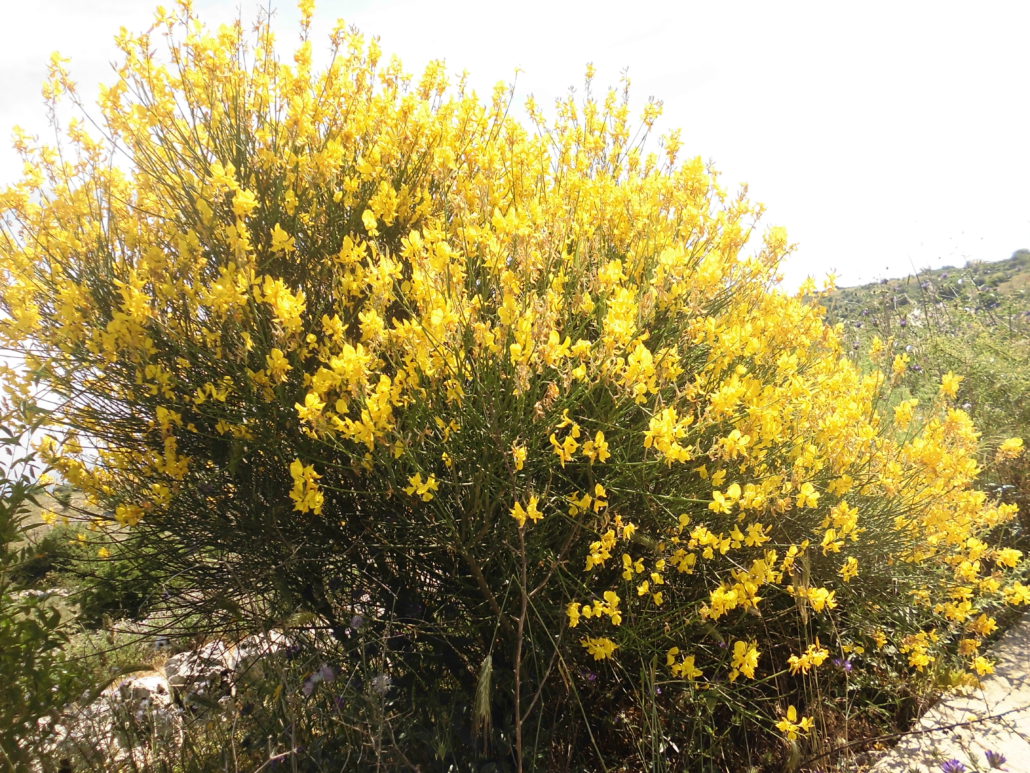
(50, 551)
(35, 677)
(126, 582)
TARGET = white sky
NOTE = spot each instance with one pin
(886, 136)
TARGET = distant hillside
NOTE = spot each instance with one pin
(1003, 284)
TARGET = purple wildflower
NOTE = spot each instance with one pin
(995, 759)
(953, 766)
(325, 673)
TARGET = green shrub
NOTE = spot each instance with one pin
(120, 579)
(50, 554)
(35, 678)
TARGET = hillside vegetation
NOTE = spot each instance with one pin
(973, 321)
(985, 286)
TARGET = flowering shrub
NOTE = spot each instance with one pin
(522, 397)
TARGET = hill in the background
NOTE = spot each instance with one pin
(978, 285)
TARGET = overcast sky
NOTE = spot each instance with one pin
(886, 136)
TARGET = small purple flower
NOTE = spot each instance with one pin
(843, 664)
(356, 622)
(995, 759)
(953, 766)
(326, 673)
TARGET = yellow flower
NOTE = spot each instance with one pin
(745, 659)
(723, 503)
(518, 453)
(597, 449)
(949, 384)
(983, 666)
(1010, 449)
(849, 570)
(531, 512)
(565, 449)
(368, 219)
(278, 365)
(1017, 593)
(282, 241)
(128, 515)
(903, 412)
(306, 495)
(631, 567)
(813, 657)
(791, 727)
(423, 489)
(808, 496)
(683, 668)
(1008, 557)
(243, 203)
(573, 612)
(601, 648)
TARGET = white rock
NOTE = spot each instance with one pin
(204, 676)
(127, 716)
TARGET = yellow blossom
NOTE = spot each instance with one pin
(531, 512)
(745, 659)
(423, 489)
(791, 727)
(950, 384)
(518, 453)
(600, 647)
(306, 494)
(808, 496)
(1011, 448)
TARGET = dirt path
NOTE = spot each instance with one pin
(965, 725)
